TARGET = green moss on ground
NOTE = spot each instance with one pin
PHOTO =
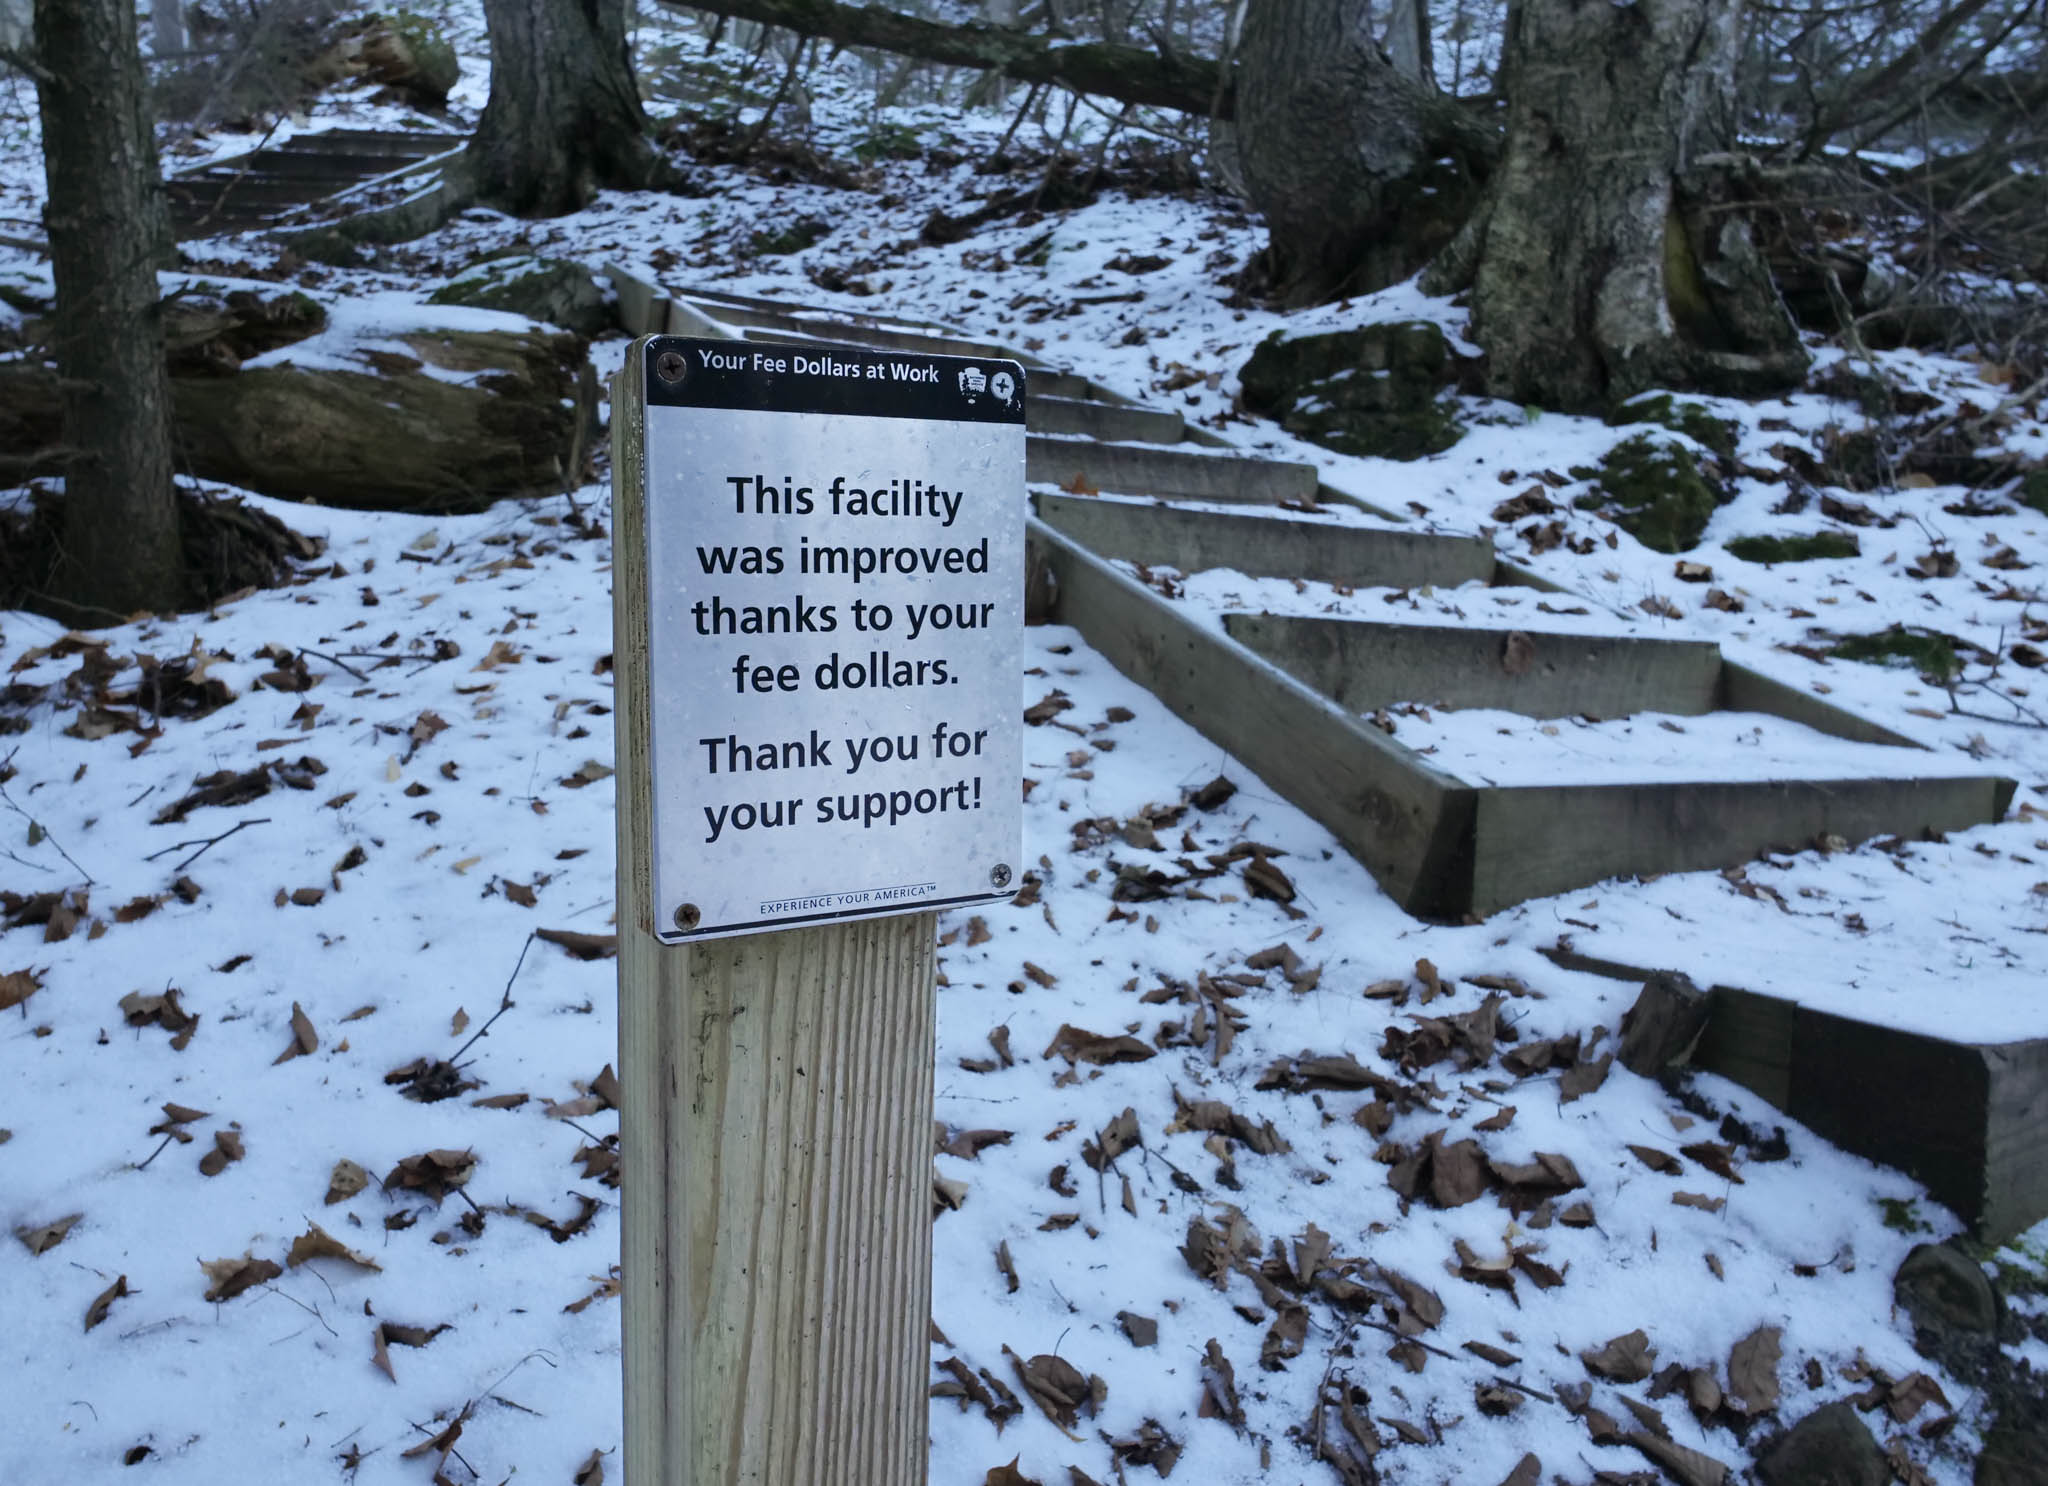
(1804, 547)
(2033, 491)
(1688, 418)
(1927, 651)
(1655, 490)
(1376, 390)
(798, 235)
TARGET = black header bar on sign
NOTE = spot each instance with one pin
(780, 377)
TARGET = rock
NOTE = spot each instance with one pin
(552, 290)
(1829, 1447)
(2012, 1456)
(1943, 1290)
(1656, 489)
(1370, 391)
(1664, 1024)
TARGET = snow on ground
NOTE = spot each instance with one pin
(410, 779)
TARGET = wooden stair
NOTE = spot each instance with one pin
(275, 182)
(1293, 697)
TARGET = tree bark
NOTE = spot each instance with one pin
(1129, 74)
(1361, 171)
(104, 214)
(564, 116)
(1587, 286)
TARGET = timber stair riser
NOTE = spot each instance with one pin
(272, 182)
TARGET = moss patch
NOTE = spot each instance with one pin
(1371, 391)
(1806, 547)
(551, 290)
(1927, 651)
(887, 142)
(1655, 490)
(1688, 418)
(2033, 491)
(794, 238)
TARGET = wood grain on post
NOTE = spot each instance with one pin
(776, 1151)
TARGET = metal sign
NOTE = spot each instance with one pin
(835, 557)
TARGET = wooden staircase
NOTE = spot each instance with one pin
(274, 183)
(1119, 490)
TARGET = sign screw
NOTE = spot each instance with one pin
(1000, 874)
(688, 917)
(670, 366)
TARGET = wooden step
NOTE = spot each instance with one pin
(1138, 469)
(1365, 665)
(1317, 549)
(1442, 846)
(1968, 1119)
(1045, 413)
(1405, 821)
(397, 144)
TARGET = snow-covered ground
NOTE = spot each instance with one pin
(409, 757)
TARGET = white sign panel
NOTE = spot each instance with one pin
(835, 557)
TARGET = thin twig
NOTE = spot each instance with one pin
(261, 820)
(322, 655)
(504, 1002)
(90, 880)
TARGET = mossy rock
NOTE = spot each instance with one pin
(1689, 418)
(1655, 489)
(1370, 391)
(410, 54)
(1805, 547)
(794, 238)
(551, 290)
(1928, 652)
(2033, 491)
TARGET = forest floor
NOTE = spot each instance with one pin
(246, 1252)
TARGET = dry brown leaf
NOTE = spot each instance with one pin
(230, 1277)
(1753, 1371)
(591, 1472)
(1717, 1158)
(1584, 1078)
(304, 1039)
(1624, 1359)
(44, 1237)
(1656, 1160)
(1911, 1393)
(1009, 1475)
(317, 1243)
(1143, 1331)
(606, 1288)
(969, 1144)
(582, 946)
(227, 1147)
(434, 1173)
(1118, 1136)
(17, 986)
(345, 1181)
(1076, 1044)
(104, 1302)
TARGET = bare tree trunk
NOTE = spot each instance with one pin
(105, 219)
(1587, 285)
(1361, 170)
(564, 116)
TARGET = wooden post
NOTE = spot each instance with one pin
(776, 1152)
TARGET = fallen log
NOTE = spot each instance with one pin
(1129, 74)
(433, 418)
